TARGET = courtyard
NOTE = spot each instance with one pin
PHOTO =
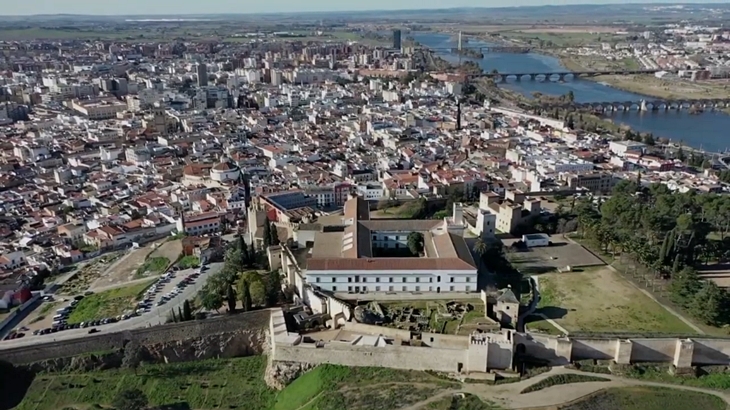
(598, 300)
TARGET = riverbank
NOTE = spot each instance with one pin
(652, 86)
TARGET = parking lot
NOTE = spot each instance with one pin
(561, 254)
(166, 294)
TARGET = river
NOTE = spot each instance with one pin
(708, 130)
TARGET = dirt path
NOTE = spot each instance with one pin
(508, 395)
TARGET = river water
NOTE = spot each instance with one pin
(709, 130)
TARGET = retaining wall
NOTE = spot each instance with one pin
(146, 336)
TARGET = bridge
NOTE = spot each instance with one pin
(648, 105)
(484, 49)
(557, 75)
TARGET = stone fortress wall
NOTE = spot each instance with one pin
(260, 331)
(483, 352)
(182, 339)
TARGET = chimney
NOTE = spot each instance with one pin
(458, 114)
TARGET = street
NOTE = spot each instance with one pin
(156, 316)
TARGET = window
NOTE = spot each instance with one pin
(451, 288)
(404, 280)
(334, 288)
(334, 280)
(349, 280)
(364, 280)
(418, 288)
(317, 280)
(364, 288)
(418, 280)
(349, 288)
(451, 280)
(391, 280)
(375, 238)
(468, 280)
(377, 288)
(468, 288)
(377, 280)
(430, 288)
(404, 288)
(430, 280)
(390, 288)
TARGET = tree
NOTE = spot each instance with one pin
(180, 314)
(173, 316)
(243, 249)
(187, 311)
(415, 242)
(246, 296)
(130, 399)
(570, 97)
(480, 249)
(267, 232)
(231, 299)
(132, 356)
(649, 139)
(274, 235)
(273, 288)
(210, 298)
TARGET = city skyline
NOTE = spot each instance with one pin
(170, 7)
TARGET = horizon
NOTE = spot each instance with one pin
(190, 7)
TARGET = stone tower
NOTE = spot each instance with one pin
(507, 309)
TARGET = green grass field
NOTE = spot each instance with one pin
(599, 300)
(107, 304)
(235, 384)
(330, 387)
(209, 384)
(648, 398)
(189, 261)
(153, 266)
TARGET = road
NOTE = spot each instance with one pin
(156, 316)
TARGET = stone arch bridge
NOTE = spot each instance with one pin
(651, 105)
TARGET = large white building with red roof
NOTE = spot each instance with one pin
(359, 255)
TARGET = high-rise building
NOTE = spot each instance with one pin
(202, 75)
(397, 39)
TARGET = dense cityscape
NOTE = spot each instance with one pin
(449, 209)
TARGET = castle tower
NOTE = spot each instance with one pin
(508, 308)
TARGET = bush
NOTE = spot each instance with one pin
(561, 379)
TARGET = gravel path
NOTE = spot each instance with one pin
(508, 395)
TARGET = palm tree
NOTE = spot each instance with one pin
(480, 249)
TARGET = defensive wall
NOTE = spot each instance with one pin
(483, 352)
(177, 333)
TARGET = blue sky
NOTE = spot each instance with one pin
(25, 7)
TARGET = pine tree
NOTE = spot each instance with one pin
(267, 232)
(231, 299)
(675, 265)
(187, 311)
(180, 314)
(246, 297)
(274, 235)
(663, 251)
(174, 316)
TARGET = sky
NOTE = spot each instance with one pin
(142, 7)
